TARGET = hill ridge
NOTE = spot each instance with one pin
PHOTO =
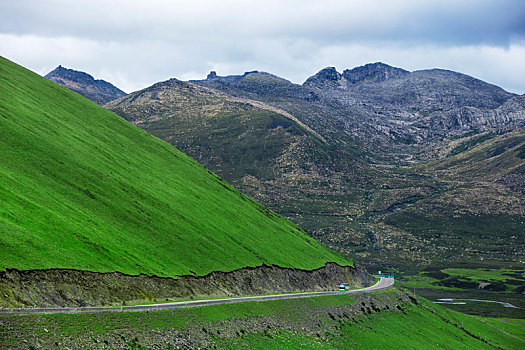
(97, 90)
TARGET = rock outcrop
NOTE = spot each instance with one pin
(98, 91)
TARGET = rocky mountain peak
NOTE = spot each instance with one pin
(373, 72)
(328, 74)
(228, 79)
(97, 90)
(253, 72)
(70, 74)
(212, 75)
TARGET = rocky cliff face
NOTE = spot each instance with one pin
(369, 73)
(373, 73)
(98, 91)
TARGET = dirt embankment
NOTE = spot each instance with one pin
(70, 288)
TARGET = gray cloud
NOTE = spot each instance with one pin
(136, 43)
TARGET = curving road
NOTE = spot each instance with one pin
(383, 283)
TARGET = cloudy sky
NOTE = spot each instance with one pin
(136, 43)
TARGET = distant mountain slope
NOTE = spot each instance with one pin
(201, 121)
(260, 149)
(406, 114)
(83, 189)
(370, 186)
(468, 207)
(98, 91)
(395, 115)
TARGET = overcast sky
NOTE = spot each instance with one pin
(134, 44)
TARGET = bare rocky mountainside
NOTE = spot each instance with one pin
(397, 107)
(98, 91)
(393, 167)
(397, 115)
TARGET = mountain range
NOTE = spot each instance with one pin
(396, 115)
(398, 168)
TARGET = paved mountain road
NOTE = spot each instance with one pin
(383, 283)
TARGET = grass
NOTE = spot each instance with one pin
(513, 326)
(422, 281)
(443, 278)
(482, 274)
(83, 189)
(418, 327)
(471, 143)
(71, 325)
(511, 278)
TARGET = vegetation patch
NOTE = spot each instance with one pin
(473, 141)
(467, 278)
(521, 152)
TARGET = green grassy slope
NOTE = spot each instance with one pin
(310, 323)
(417, 327)
(81, 188)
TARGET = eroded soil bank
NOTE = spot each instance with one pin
(70, 288)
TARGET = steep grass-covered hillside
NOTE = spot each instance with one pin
(83, 189)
